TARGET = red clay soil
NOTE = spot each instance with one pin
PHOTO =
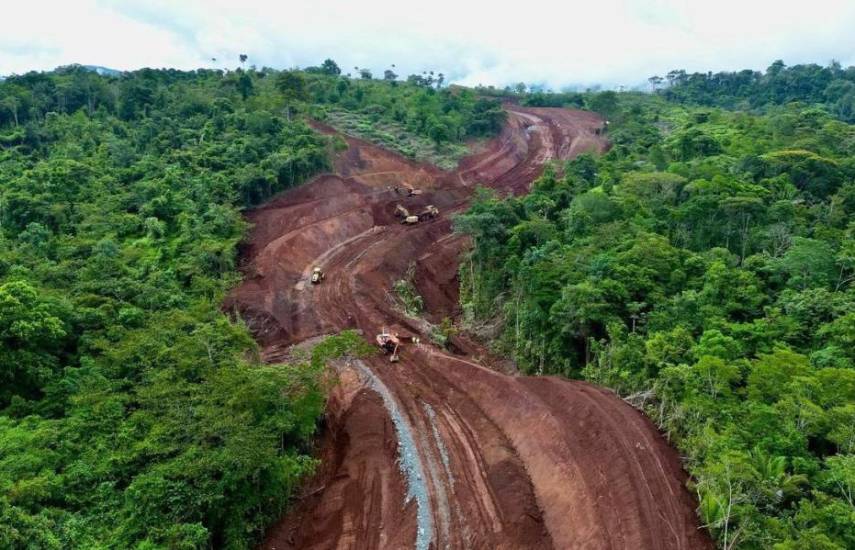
(438, 451)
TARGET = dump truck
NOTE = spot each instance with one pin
(389, 342)
(405, 216)
(430, 211)
(317, 275)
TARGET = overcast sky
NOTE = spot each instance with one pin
(554, 43)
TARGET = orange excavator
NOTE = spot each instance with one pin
(389, 342)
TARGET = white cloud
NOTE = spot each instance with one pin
(42, 35)
(539, 41)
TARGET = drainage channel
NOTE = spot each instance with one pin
(409, 459)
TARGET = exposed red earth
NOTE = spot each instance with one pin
(437, 450)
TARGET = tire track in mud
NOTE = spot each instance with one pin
(438, 451)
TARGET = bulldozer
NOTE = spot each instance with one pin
(407, 190)
(405, 216)
(389, 342)
(317, 276)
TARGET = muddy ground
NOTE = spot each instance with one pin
(439, 451)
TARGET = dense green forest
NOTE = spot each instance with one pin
(133, 412)
(831, 86)
(421, 103)
(704, 268)
(417, 118)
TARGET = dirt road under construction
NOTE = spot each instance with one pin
(438, 450)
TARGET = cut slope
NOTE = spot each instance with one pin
(503, 462)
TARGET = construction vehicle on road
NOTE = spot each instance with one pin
(401, 212)
(406, 217)
(429, 212)
(389, 342)
(407, 190)
(317, 276)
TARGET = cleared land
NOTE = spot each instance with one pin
(438, 451)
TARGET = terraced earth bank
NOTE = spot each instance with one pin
(439, 450)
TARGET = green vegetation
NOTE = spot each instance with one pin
(704, 269)
(408, 295)
(133, 413)
(395, 137)
(417, 118)
(831, 86)
(442, 333)
(394, 113)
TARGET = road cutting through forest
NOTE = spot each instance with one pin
(438, 450)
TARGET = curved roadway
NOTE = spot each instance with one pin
(438, 451)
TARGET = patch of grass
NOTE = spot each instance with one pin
(413, 303)
(346, 343)
(441, 333)
(395, 137)
(408, 295)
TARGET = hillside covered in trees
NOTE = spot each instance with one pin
(704, 268)
(133, 412)
(832, 86)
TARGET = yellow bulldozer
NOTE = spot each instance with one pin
(407, 190)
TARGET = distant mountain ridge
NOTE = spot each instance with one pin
(103, 71)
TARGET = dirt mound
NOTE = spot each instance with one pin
(437, 451)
